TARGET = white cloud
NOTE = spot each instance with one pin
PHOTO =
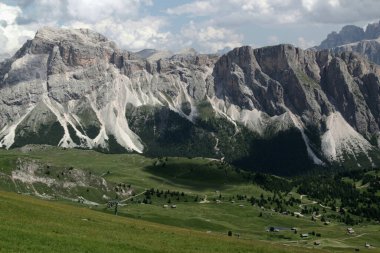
(216, 24)
(9, 13)
(334, 3)
(120, 20)
(196, 8)
(131, 34)
(92, 11)
(282, 11)
(341, 11)
(304, 43)
(238, 15)
(10, 32)
(209, 39)
(308, 4)
(224, 11)
(273, 40)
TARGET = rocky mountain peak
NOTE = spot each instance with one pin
(355, 39)
(351, 33)
(347, 34)
(373, 31)
(84, 36)
(77, 86)
(47, 38)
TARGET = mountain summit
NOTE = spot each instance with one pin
(273, 108)
(351, 34)
(355, 39)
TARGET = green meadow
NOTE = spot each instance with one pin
(196, 205)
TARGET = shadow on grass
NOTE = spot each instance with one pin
(195, 176)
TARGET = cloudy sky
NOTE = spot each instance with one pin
(206, 25)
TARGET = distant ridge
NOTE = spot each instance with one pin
(355, 39)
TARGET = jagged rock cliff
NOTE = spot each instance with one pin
(355, 39)
(350, 34)
(313, 88)
(368, 48)
(75, 88)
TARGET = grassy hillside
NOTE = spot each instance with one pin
(32, 225)
(211, 198)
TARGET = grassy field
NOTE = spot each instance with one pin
(209, 207)
(32, 225)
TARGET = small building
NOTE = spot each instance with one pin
(165, 206)
(367, 245)
(293, 228)
(304, 235)
(276, 230)
(350, 230)
(174, 206)
(317, 243)
(327, 223)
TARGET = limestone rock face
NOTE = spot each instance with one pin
(370, 49)
(373, 31)
(69, 69)
(312, 85)
(77, 85)
(348, 34)
(309, 84)
(355, 39)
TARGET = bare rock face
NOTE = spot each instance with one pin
(272, 79)
(373, 31)
(69, 69)
(370, 49)
(77, 86)
(312, 85)
(355, 39)
(348, 34)
(343, 83)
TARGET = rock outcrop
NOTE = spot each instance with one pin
(348, 34)
(355, 39)
(370, 49)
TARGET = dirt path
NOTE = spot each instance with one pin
(363, 186)
(327, 207)
(131, 197)
(311, 203)
(307, 204)
(344, 239)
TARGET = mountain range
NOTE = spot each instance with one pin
(351, 38)
(277, 109)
